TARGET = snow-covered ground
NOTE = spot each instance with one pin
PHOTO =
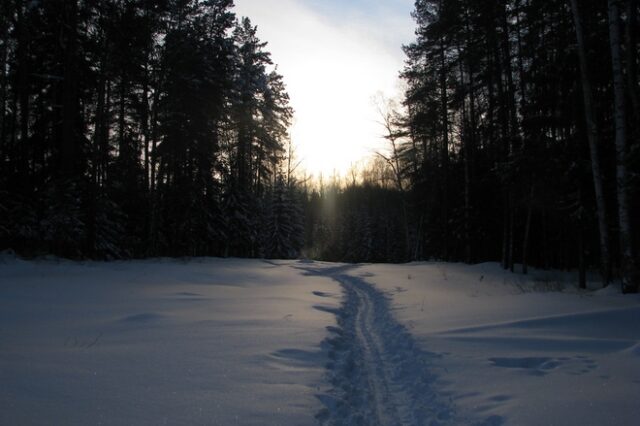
(506, 350)
(251, 342)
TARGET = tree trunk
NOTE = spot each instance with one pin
(22, 89)
(104, 138)
(123, 148)
(512, 235)
(4, 56)
(527, 229)
(593, 140)
(466, 142)
(521, 71)
(70, 105)
(504, 157)
(545, 240)
(505, 230)
(154, 140)
(632, 68)
(582, 267)
(99, 124)
(626, 255)
(444, 102)
(95, 171)
(470, 149)
(467, 139)
(145, 126)
(508, 72)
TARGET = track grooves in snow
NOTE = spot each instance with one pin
(376, 364)
(378, 373)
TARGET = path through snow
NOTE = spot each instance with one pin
(379, 374)
(233, 341)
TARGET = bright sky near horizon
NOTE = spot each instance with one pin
(335, 56)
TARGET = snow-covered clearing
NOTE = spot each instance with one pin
(161, 342)
(211, 341)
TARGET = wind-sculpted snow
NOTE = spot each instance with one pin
(201, 342)
(252, 342)
(379, 375)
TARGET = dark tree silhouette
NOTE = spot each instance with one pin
(137, 128)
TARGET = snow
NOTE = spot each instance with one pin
(160, 342)
(514, 353)
(230, 341)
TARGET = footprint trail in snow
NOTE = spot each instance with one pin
(379, 374)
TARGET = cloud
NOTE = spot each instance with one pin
(334, 58)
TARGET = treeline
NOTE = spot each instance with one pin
(519, 136)
(356, 222)
(141, 128)
(159, 127)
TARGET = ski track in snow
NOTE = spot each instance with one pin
(379, 374)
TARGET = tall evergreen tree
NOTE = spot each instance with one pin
(120, 124)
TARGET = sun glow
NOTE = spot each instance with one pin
(335, 124)
(332, 68)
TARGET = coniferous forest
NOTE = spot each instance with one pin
(142, 128)
(160, 128)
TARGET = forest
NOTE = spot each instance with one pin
(142, 128)
(146, 128)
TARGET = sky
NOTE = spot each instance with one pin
(335, 56)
